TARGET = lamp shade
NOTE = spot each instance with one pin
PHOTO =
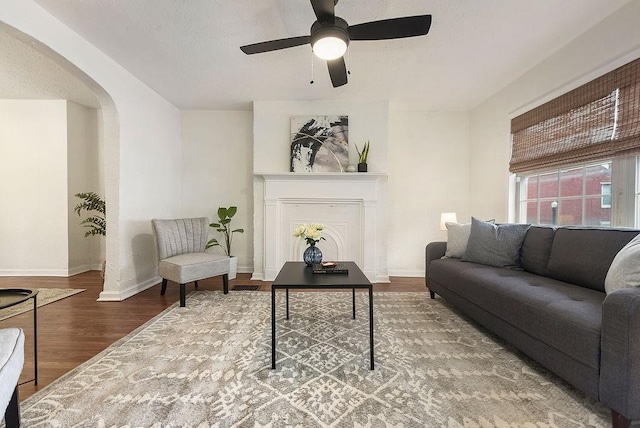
(447, 218)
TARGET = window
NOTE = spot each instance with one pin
(636, 205)
(605, 200)
(576, 156)
(579, 195)
(598, 120)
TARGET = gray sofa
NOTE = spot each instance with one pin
(555, 310)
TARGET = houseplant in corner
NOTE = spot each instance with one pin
(362, 157)
(96, 222)
(223, 226)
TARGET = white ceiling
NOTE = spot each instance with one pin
(188, 50)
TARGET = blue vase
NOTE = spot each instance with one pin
(312, 255)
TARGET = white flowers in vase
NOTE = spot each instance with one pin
(311, 233)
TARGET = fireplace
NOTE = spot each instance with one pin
(352, 206)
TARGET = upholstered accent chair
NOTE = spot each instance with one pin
(182, 257)
(11, 362)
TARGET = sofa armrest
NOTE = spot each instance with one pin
(620, 352)
(433, 251)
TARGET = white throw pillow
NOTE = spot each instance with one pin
(624, 271)
(457, 238)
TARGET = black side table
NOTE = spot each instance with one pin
(14, 296)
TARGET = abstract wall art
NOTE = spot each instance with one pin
(319, 143)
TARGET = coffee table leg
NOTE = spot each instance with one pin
(371, 325)
(353, 299)
(287, 293)
(273, 328)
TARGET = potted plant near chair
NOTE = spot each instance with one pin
(224, 226)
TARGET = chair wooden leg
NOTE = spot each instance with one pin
(225, 283)
(183, 295)
(619, 421)
(432, 294)
(196, 284)
(12, 414)
(164, 287)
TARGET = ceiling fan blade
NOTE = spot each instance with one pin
(337, 72)
(274, 45)
(395, 28)
(324, 9)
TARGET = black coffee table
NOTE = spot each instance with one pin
(297, 275)
(14, 296)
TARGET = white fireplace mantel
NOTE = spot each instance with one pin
(353, 207)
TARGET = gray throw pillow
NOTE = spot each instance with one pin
(624, 271)
(495, 245)
(457, 237)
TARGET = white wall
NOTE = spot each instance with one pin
(82, 176)
(272, 130)
(610, 44)
(428, 175)
(217, 153)
(425, 153)
(33, 194)
(49, 153)
(142, 147)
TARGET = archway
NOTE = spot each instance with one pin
(108, 129)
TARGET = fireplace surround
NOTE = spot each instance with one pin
(352, 206)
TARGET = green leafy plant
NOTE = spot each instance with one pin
(96, 223)
(364, 154)
(223, 226)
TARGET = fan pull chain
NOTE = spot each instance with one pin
(311, 82)
(348, 60)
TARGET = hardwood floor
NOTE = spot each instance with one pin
(72, 330)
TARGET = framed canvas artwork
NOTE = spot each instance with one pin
(319, 143)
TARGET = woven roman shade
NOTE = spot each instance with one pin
(598, 120)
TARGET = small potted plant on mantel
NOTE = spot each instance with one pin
(223, 226)
(362, 157)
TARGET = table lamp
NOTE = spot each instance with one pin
(447, 218)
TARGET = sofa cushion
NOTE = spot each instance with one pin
(565, 317)
(624, 271)
(495, 245)
(582, 256)
(536, 248)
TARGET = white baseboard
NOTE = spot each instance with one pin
(35, 272)
(120, 295)
(407, 273)
(80, 269)
(50, 272)
(256, 276)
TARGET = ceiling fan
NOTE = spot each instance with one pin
(330, 36)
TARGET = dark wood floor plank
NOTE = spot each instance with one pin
(73, 330)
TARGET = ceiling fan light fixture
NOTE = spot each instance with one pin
(329, 48)
(329, 40)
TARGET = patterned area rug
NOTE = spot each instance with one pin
(45, 296)
(209, 365)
